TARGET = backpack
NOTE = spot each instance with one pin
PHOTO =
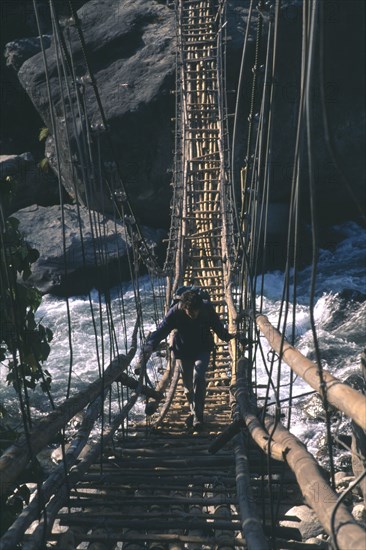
(181, 290)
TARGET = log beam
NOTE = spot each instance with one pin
(318, 494)
(248, 413)
(16, 457)
(250, 523)
(340, 395)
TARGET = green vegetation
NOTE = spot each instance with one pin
(24, 342)
(44, 163)
(43, 133)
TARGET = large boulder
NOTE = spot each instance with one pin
(132, 54)
(20, 122)
(79, 250)
(131, 48)
(305, 520)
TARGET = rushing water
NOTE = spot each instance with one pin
(340, 318)
(340, 315)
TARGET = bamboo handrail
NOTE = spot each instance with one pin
(79, 470)
(318, 494)
(248, 413)
(340, 395)
(54, 481)
(169, 396)
(16, 457)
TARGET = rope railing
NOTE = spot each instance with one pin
(16, 457)
(255, 194)
(318, 494)
(341, 396)
(54, 491)
(203, 247)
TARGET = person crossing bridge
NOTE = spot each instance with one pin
(193, 318)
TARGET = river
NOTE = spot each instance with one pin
(340, 315)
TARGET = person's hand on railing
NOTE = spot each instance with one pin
(243, 340)
(146, 351)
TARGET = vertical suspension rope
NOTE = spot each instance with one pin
(313, 21)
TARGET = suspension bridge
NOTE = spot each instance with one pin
(145, 481)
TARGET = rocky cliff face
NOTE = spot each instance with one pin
(131, 46)
(79, 249)
(132, 54)
(20, 122)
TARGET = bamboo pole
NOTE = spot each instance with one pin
(318, 494)
(189, 523)
(166, 538)
(250, 523)
(163, 383)
(54, 481)
(132, 383)
(45, 526)
(340, 395)
(170, 395)
(16, 457)
(249, 414)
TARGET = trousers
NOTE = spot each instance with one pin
(194, 381)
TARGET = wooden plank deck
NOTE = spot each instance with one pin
(161, 487)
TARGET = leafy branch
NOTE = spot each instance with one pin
(24, 343)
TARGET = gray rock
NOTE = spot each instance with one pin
(314, 408)
(132, 54)
(359, 513)
(340, 478)
(18, 51)
(307, 523)
(89, 259)
(131, 48)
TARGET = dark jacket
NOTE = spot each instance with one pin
(192, 336)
